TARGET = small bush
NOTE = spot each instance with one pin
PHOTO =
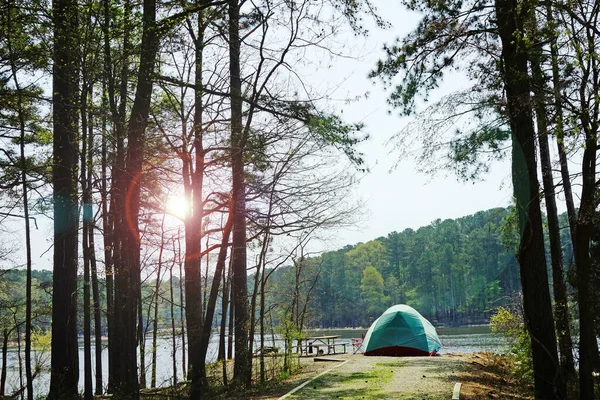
(510, 325)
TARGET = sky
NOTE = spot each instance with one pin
(395, 198)
(400, 198)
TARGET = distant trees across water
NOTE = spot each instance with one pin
(455, 271)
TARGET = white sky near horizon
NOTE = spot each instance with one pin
(400, 198)
(394, 200)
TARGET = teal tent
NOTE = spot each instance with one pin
(401, 331)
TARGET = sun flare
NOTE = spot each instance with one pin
(177, 206)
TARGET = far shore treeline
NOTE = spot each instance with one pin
(453, 271)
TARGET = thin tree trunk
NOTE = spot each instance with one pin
(64, 364)
(19, 357)
(97, 314)
(531, 254)
(156, 297)
(223, 324)
(92, 252)
(224, 307)
(142, 341)
(214, 291)
(5, 334)
(561, 308)
(262, 326)
(93, 266)
(241, 372)
(173, 331)
(24, 187)
(231, 317)
(182, 321)
(87, 217)
(559, 125)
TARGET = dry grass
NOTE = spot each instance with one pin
(488, 377)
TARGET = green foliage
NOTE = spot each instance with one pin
(372, 290)
(510, 324)
(451, 271)
(331, 130)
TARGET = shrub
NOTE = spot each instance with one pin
(510, 325)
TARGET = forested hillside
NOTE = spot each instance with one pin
(452, 271)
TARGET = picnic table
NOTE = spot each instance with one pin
(321, 344)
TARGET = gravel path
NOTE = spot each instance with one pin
(382, 378)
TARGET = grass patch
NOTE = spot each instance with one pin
(395, 364)
(357, 385)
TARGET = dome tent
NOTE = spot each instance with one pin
(401, 331)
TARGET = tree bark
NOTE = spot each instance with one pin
(173, 334)
(531, 255)
(193, 174)
(241, 372)
(182, 321)
(87, 216)
(5, 334)
(561, 307)
(559, 123)
(585, 226)
(214, 291)
(22, 127)
(156, 297)
(64, 364)
(127, 270)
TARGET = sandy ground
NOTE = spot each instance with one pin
(376, 377)
(405, 378)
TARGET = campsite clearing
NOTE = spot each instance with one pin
(407, 378)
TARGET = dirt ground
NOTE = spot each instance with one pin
(408, 378)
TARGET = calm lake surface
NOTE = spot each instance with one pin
(454, 340)
(470, 339)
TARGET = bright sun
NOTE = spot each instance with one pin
(177, 206)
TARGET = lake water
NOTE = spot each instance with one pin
(454, 340)
(469, 339)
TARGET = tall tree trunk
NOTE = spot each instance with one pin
(531, 255)
(87, 217)
(93, 266)
(241, 372)
(127, 270)
(193, 181)
(64, 364)
(588, 345)
(111, 216)
(561, 308)
(92, 252)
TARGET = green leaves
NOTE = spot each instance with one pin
(330, 129)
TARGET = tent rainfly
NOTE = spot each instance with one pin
(401, 331)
